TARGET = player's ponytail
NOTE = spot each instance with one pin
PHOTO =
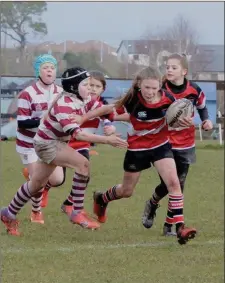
(128, 96)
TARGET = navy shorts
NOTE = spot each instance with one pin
(85, 153)
(137, 161)
(184, 156)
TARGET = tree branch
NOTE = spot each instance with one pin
(14, 38)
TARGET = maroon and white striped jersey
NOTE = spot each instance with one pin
(32, 103)
(58, 125)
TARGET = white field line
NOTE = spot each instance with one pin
(75, 247)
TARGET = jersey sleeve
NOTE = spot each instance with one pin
(95, 104)
(62, 114)
(24, 110)
(121, 110)
(201, 99)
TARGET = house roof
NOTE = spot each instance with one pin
(209, 56)
(143, 46)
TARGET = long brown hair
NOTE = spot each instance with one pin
(147, 73)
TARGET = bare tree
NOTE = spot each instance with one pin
(182, 37)
(184, 34)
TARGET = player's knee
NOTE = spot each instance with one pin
(83, 168)
(35, 185)
(173, 184)
(57, 181)
(128, 192)
(182, 179)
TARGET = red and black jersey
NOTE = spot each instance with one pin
(149, 128)
(185, 138)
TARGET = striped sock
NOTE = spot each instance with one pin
(20, 199)
(36, 201)
(176, 205)
(78, 190)
(169, 218)
(48, 186)
(37, 198)
(110, 195)
(69, 200)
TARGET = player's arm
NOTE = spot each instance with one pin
(122, 117)
(203, 110)
(24, 112)
(103, 110)
(106, 123)
(64, 115)
(203, 113)
(201, 105)
(28, 123)
(121, 114)
(108, 127)
(113, 140)
(72, 128)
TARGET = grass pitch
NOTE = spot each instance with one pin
(122, 251)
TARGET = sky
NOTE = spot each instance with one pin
(114, 21)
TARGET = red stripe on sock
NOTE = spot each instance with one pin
(175, 196)
(170, 220)
(178, 219)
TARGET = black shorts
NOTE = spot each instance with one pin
(185, 156)
(85, 153)
(136, 161)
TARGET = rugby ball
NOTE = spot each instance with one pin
(180, 108)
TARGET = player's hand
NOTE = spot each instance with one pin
(207, 125)
(186, 122)
(74, 118)
(109, 130)
(116, 141)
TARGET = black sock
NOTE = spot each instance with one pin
(161, 190)
(67, 202)
(169, 219)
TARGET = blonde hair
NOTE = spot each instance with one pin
(148, 73)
